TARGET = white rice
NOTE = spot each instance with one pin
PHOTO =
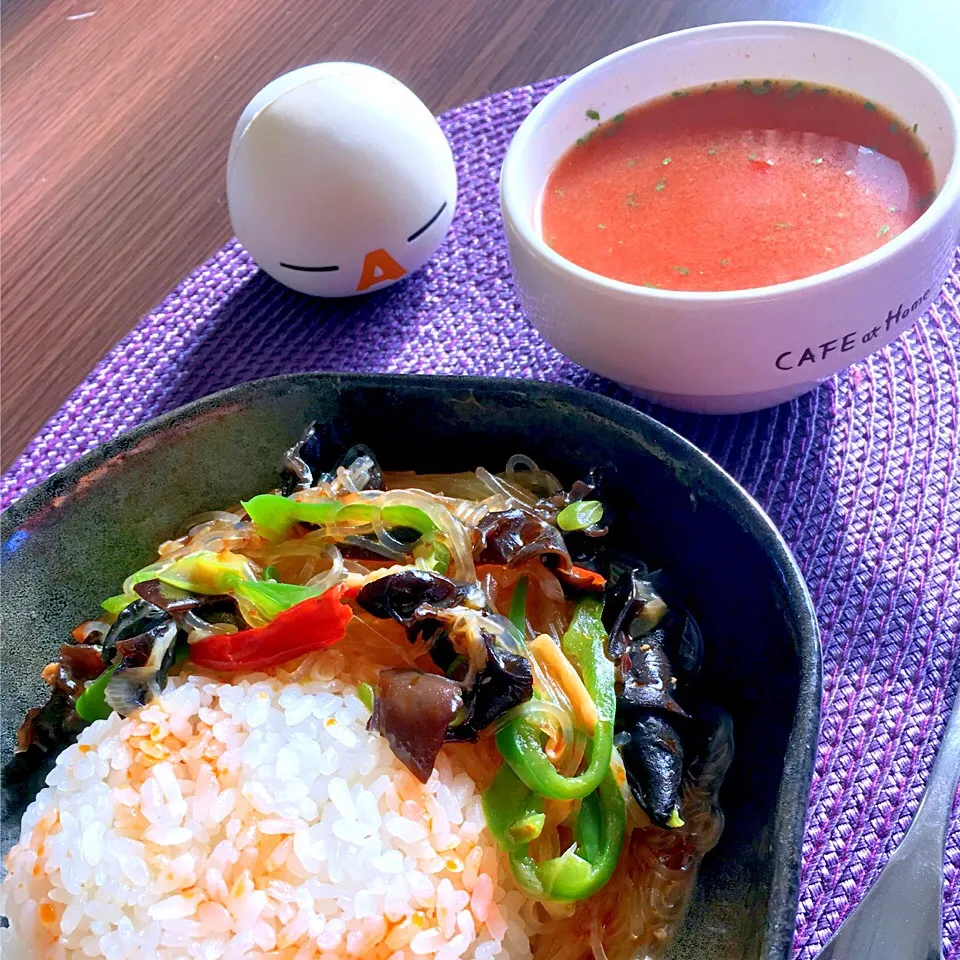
(255, 819)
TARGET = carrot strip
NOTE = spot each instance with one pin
(546, 650)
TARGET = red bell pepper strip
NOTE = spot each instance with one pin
(583, 578)
(313, 624)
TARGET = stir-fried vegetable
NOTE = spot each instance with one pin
(413, 710)
(275, 516)
(92, 703)
(580, 515)
(519, 742)
(207, 572)
(305, 465)
(653, 757)
(504, 682)
(514, 536)
(313, 624)
(650, 720)
(491, 679)
(518, 606)
(401, 595)
(514, 636)
(515, 816)
(545, 649)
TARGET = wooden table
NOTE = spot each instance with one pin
(117, 115)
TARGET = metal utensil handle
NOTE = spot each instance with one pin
(929, 826)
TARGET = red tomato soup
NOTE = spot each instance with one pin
(736, 185)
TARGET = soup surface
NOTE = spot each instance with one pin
(736, 185)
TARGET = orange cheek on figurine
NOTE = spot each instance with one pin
(339, 180)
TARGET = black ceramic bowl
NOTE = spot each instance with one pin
(72, 540)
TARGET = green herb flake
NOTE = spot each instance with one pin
(631, 163)
(666, 161)
(884, 230)
(793, 91)
(683, 271)
(593, 115)
(619, 118)
(712, 152)
(724, 262)
(867, 105)
(821, 91)
(661, 184)
(751, 156)
(652, 286)
(894, 127)
(601, 226)
(679, 93)
(817, 161)
(743, 85)
(631, 199)
(761, 88)
(913, 129)
(582, 140)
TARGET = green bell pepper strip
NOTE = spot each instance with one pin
(402, 515)
(579, 515)
(206, 572)
(519, 741)
(275, 515)
(118, 602)
(366, 695)
(271, 599)
(122, 600)
(518, 606)
(582, 870)
(91, 704)
(507, 802)
(514, 815)
(432, 554)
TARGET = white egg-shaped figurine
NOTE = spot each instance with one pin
(339, 180)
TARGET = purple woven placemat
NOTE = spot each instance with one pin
(862, 477)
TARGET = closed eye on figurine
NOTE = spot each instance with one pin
(293, 266)
(413, 236)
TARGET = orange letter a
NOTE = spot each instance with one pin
(378, 266)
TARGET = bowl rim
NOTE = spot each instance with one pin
(522, 225)
(694, 468)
